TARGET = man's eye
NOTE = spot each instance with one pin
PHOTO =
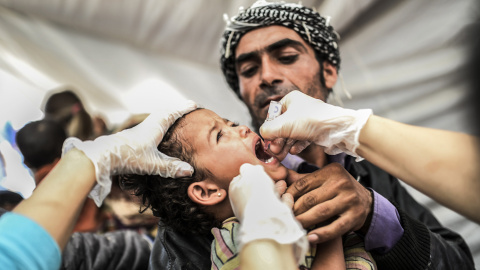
(249, 72)
(219, 135)
(288, 59)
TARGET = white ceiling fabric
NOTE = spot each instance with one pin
(403, 59)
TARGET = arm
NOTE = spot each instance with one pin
(425, 243)
(267, 224)
(264, 254)
(49, 214)
(329, 255)
(441, 164)
(421, 241)
(331, 193)
(256, 254)
(71, 180)
(56, 203)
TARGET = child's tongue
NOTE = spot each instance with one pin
(261, 154)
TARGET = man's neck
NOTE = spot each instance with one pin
(315, 155)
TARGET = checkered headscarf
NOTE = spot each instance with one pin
(309, 24)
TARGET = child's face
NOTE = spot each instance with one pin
(222, 147)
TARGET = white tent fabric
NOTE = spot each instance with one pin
(403, 59)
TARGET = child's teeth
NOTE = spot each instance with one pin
(269, 160)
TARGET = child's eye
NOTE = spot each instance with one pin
(219, 135)
(235, 124)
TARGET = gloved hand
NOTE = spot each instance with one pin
(261, 213)
(307, 119)
(133, 151)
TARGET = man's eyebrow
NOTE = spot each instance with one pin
(244, 57)
(270, 48)
(286, 42)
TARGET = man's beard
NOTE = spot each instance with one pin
(314, 89)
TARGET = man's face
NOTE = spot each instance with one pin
(221, 147)
(271, 62)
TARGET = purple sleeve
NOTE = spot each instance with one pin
(385, 229)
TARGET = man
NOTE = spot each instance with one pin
(268, 51)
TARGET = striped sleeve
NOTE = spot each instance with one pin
(224, 253)
(356, 257)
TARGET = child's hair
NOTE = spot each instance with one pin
(168, 197)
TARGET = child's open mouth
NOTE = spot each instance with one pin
(261, 154)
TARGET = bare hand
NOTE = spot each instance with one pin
(281, 147)
(328, 193)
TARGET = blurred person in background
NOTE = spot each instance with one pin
(35, 232)
(8, 200)
(66, 108)
(100, 126)
(40, 143)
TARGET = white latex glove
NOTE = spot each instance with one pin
(261, 213)
(133, 151)
(309, 119)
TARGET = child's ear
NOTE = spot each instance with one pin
(206, 193)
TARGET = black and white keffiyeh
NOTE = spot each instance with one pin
(309, 24)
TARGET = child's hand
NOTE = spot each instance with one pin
(287, 198)
(133, 151)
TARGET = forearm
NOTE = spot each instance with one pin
(56, 202)
(441, 164)
(267, 254)
(425, 247)
(329, 255)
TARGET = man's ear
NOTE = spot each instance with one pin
(206, 193)
(330, 74)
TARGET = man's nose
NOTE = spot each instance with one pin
(270, 75)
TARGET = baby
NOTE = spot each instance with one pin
(216, 148)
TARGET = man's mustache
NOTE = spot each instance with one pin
(262, 99)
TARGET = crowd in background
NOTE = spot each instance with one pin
(40, 143)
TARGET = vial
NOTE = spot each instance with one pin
(274, 110)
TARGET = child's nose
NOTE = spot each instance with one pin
(244, 130)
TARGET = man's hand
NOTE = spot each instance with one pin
(281, 147)
(331, 193)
